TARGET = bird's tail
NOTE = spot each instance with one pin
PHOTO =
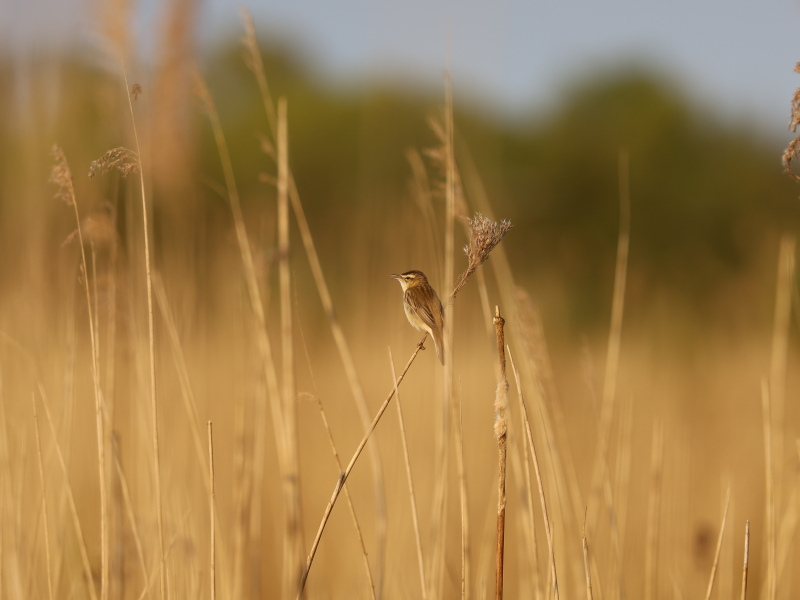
(438, 343)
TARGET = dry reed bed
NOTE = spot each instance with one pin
(149, 508)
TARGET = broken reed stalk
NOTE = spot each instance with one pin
(501, 435)
(349, 499)
(61, 175)
(746, 559)
(44, 500)
(414, 517)
(212, 513)
(151, 337)
(719, 545)
(542, 499)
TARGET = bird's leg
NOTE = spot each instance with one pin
(421, 345)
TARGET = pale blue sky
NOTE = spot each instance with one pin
(514, 55)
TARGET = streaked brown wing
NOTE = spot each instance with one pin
(421, 303)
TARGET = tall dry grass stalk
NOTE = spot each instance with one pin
(212, 515)
(780, 348)
(713, 575)
(40, 464)
(76, 523)
(255, 64)
(771, 584)
(293, 541)
(746, 559)
(367, 568)
(150, 334)
(500, 434)
(587, 570)
(414, 517)
(651, 563)
(61, 175)
(600, 467)
(542, 499)
(282, 440)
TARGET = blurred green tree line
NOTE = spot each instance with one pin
(707, 194)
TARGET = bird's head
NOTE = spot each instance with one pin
(411, 279)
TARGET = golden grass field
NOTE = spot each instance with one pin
(117, 352)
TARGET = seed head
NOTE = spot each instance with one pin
(62, 176)
(124, 160)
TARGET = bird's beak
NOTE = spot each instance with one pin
(394, 276)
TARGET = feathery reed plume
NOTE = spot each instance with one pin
(123, 160)
(484, 235)
(500, 434)
(793, 149)
(61, 175)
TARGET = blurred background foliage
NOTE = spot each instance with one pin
(709, 197)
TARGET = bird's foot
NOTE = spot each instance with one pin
(421, 345)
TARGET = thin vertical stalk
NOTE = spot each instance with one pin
(547, 528)
(367, 568)
(586, 568)
(766, 407)
(500, 434)
(653, 513)
(98, 396)
(599, 469)
(719, 545)
(292, 542)
(251, 282)
(462, 479)
(746, 559)
(87, 570)
(212, 512)
(257, 67)
(780, 347)
(414, 517)
(151, 340)
(44, 501)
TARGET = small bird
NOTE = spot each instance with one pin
(423, 307)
